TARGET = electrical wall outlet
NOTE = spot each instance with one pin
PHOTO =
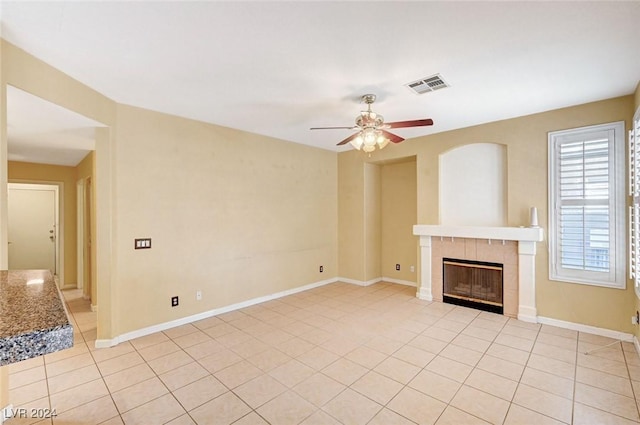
(412, 269)
(174, 301)
(142, 243)
(321, 269)
(398, 267)
(198, 295)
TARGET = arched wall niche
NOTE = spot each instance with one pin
(473, 185)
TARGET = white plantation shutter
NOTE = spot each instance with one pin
(634, 209)
(584, 205)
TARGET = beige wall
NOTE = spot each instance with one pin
(372, 222)
(359, 219)
(526, 142)
(351, 210)
(42, 173)
(399, 210)
(233, 214)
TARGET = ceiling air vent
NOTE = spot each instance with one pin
(428, 84)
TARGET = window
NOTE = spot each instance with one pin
(586, 205)
(634, 209)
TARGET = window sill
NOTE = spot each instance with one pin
(609, 285)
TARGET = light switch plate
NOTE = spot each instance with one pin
(143, 243)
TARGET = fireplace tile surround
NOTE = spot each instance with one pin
(478, 250)
(514, 247)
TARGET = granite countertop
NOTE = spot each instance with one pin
(33, 318)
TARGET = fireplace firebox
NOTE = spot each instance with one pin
(475, 284)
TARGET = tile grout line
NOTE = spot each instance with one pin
(575, 378)
(633, 390)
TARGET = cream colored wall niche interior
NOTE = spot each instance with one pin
(373, 222)
(399, 214)
(377, 209)
(472, 192)
(473, 185)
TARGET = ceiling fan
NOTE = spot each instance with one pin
(372, 130)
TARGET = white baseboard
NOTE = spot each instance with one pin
(424, 294)
(622, 336)
(106, 343)
(376, 280)
(528, 319)
(636, 344)
(527, 314)
(6, 413)
(359, 282)
(399, 281)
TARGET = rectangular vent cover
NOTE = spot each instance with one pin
(428, 84)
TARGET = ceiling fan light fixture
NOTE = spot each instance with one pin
(369, 137)
(382, 142)
(357, 142)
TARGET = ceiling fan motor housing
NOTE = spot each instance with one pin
(368, 118)
(368, 98)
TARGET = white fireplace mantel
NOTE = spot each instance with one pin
(528, 234)
(526, 238)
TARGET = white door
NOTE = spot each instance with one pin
(32, 226)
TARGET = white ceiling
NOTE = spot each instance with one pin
(279, 68)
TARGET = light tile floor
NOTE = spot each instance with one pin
(338, 354)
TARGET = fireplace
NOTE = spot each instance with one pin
(476, 284)
(514, 247)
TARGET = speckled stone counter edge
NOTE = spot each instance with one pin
(34, 334)
(36, 343)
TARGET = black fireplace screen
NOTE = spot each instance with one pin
(475, 284)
